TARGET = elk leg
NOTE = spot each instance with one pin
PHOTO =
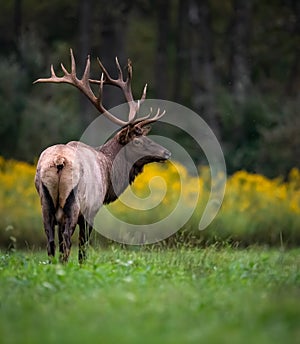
(67, 246)
(67, 232)
(66, 235)
(81, 241)
(67, 227)
(49, 220)
(60, 240)
(49, 225)
(85, 230)
(64, 239)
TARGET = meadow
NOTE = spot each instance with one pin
(152, 296)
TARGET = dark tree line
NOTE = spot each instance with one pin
(236, 63)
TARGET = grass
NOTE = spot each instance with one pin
(167, 296)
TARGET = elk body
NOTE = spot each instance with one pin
(74, 180)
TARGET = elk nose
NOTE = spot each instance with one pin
(167, 154)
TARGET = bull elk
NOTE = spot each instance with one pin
(74, 180)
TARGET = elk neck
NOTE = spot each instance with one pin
(111, 148)
(118, 169)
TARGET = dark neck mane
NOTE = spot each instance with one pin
(124, 172)
(121, 170)
(111, 148)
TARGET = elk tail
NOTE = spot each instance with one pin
(60, 163)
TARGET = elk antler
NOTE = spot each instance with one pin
(84, 86)
(125, 86)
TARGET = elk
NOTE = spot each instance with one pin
(74, 180)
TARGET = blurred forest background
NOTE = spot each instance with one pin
(234, 62)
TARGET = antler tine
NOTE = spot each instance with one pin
(73, 64)
(129, 71)
(146, 120)
(86, 73)
(158, 114)
(144, 93)
(108, 78)
(52, 73)
(119, 69)
(101, 89)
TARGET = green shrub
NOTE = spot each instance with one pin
(255, 210)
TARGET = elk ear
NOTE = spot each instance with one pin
(146, 129)
(141, 130)
(138, 131)
(124, 136)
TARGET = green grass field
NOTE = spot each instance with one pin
(167, 296)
